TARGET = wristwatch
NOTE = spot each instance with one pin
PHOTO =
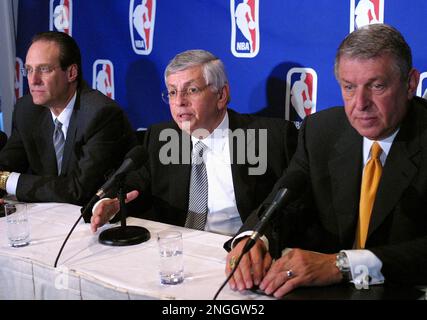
(4, 175)
(343, 266)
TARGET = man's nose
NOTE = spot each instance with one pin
(181, 98)
(34, 78)
(362, 98)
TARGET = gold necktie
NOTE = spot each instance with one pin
(370, 182)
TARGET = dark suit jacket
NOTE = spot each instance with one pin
(330, 152)
(165, 188)
(3, 139)
(98, 136)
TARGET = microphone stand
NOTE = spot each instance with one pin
(123, 235)
(119, 236)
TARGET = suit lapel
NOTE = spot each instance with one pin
(242, 182)
(71, 137)
(179, 177)
(44, 141)
(400, 168)
(74, 124)
(345, 168)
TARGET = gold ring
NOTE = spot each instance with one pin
(232, 262)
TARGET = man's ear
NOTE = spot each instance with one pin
(224, 96)
(72, 72)
(413, 79)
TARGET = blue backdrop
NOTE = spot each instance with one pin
(278, 54)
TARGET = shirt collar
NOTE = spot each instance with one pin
(217, 139)
(65, 116)
(385, 145)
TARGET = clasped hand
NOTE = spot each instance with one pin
(295, 269)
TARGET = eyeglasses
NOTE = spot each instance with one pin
(169, 96)
(40, 70)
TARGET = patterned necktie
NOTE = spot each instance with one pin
(58, 143)
(198, 200)
(370, 182)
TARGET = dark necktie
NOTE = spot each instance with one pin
(198, 198)
(58, 143)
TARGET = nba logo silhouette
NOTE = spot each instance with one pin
(103, 77)
(142, 14)
(19, 81)
(301, 93)
(245, 41)
(61, 16)
(422, 86)
(364, 12)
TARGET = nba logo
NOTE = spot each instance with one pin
(19, 82)
(364, 12)
(301, 93)
(422, 86)
(245, 41)
(61, 16)
(103, 77)
(142, 15)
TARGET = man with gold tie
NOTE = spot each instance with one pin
(363, 217)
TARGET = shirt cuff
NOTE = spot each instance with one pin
(247, 234)
(364, 263)
(98, 202)
(12, 183)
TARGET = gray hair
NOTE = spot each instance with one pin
(213, 68)
(373, 41)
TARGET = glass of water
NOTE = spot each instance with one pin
(17, 224)
(171, 266)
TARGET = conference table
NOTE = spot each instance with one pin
(90, 270)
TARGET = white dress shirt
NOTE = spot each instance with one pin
(362, 261)
(223, 216)
(64, 117)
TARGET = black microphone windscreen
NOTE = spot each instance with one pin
(294, 180)
(138, 155)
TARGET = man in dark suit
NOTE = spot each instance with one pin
(66, 161)
(243, 158)
(339, 231)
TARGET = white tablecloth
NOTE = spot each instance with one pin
(89, 270)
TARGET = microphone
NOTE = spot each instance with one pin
(126, 235)
(290, 186)
(133, 160)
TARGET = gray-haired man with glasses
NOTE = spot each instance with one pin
(65, 136)
(210, 167)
